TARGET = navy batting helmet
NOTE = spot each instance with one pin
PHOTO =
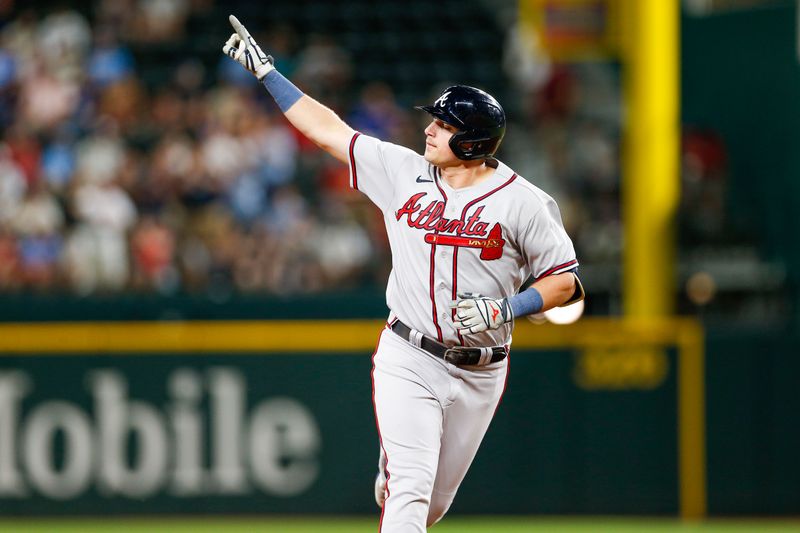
(480, 120)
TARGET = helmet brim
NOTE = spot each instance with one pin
(440, 114)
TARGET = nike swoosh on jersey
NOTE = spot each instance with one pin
(420, 180)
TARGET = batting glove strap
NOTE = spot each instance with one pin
(476, 313)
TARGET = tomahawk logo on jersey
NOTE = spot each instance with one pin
(488, 238)
(464, 232)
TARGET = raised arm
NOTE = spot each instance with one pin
(320, 124)
(314, 120)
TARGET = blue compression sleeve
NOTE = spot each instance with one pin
(528, 302)
(282, 90)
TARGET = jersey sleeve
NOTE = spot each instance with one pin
(374, 165)
(545, 243)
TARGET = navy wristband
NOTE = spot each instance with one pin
(285, 93)
(528, 302)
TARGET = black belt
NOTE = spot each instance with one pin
(457, 355)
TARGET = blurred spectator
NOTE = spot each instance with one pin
(289, 209)
(256, 263)
(268, 157)
(19, 38)
(341, 245)
(9, 260)
(24, 151)
(38, 222)
(114, 14)
(273, 149)
(157, 21)
(153, 250)
(120, 106)
(39, 256)
(281, 41)
(58, 163)
(12, 185)
(45, 99)
(100, 157)
(704, 183)
(8, 76)
(189, 77)
(524, 62)
(38, 213)
(97, 250)
(377, 113)
(109, 62)
(63, 39)
(324, 69)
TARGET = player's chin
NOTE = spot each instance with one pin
(430, 155)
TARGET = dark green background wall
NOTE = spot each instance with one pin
(553, 447)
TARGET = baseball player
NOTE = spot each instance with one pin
(465, 233)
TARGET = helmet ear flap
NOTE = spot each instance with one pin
(462, 148)
(468, 149)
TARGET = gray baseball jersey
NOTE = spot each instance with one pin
(485, 239)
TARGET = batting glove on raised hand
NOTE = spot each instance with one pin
(243, 48)
(476, 313)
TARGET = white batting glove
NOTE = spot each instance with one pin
(243, 48)
(476, 313)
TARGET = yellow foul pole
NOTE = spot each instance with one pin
(650, 193)
(650, 186)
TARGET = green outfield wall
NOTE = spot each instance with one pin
(194, 428)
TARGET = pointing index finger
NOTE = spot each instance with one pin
(239, 27)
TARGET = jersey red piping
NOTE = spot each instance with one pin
(433, 262)
(559, 267)
(353, 160)
(378, 426)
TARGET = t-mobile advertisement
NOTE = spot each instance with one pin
(183, 433)
(294, 433)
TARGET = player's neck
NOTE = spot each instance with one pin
(466, 175)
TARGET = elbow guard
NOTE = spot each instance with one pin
(578, 295)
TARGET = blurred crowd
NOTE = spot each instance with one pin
(107, 184)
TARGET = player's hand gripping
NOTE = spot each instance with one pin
(476, 313)
(243, 48)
